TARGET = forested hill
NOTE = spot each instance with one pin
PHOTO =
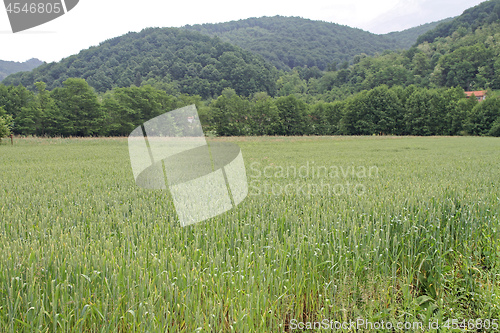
(407, 38)
(288, 42)
(11, 67)
(177, 60)
(191, 62)
(469, 58)
(471, 19)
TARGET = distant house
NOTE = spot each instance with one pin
(480, 95)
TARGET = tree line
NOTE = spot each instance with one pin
(77, 110)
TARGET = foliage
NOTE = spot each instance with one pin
(289, 42)
(485, 118)
(80, 107)
(293, 116)
(482, 14)
(186, 61)
(127, 108)
(5, 123)
(470, 61)
(76, 110)
(228, 114)
(407, 38)
(468, 58)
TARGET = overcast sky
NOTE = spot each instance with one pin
(93, 21)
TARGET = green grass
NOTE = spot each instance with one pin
(85, 250)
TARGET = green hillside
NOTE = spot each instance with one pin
(11, 67)
(468, 58)
(472, 18)
(288, 42)
(192, 62)
(407, 38)
(463, 52)
(175, 59)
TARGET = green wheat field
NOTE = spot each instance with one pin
(399, 229)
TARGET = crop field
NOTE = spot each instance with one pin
(334, 229)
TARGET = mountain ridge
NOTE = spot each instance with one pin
(176, 59)
(408, 37)
(288, 42)
(12, 67)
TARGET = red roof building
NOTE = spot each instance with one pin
(480, 95)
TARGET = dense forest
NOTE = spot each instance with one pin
(189, 62)
(178, 60)
(112, 88)
(289, 42)
(11, 67)
(470, 61)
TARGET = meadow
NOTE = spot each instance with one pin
(392, 229)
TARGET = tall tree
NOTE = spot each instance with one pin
(13, 99)
(384, 105)
(229, 114)
(485, 117)
(127, 108)
(320, 124)
(456, 111)
(418, 113)
(50, 117)
(263, 117)
(293, 115)
(78, 103)
(357, 118)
